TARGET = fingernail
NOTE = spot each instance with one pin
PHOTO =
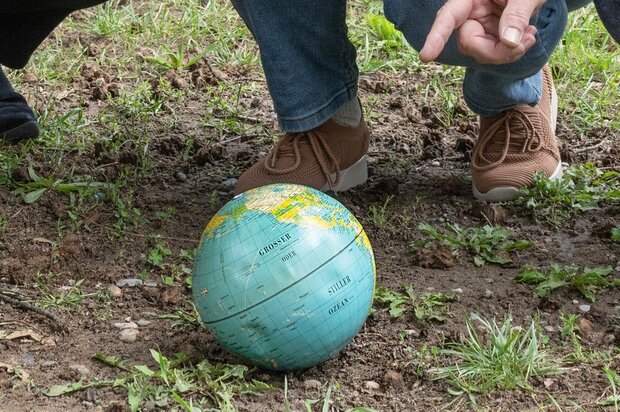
(513, 35)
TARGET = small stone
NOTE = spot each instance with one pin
(549, 328)
(490, 280)
(48, 364)
(372, 385)
(312, 384)
(81, 369)
(143, 322)
(181, 177)
(126, 325)
(393, 378)
(28, 359)
(114, 291)
(488, 294)
(584, 308)
(435, 164)
(91, 394)
(609, 339)
(457, 290)
(129, 283)
(412, 332)
(575, 302)
(585, 327)
(150, 284)
(230, 183)
(128, 335)
(548, 383)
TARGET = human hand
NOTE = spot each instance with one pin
(490, 31)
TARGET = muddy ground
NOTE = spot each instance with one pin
(417, 162)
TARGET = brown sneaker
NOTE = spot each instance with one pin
(514, 145)
(329, 157)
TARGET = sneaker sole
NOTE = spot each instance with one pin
(28, 130)
(350, 177)
(507, 193)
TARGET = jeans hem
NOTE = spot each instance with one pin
(322, 114)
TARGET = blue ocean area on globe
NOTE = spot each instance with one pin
(284, 276)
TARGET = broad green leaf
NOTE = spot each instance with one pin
(31, 197)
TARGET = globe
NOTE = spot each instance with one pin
(284, 276)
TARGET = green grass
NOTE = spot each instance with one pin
(68, 299)
(487, 244)
(173, 383)
(581, 188)
(424, 308)
(589, 281)
(495, 357)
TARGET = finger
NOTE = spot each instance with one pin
(515, 21)
(450, 17)
(488, 49)
(490, 25)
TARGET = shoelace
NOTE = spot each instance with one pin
(533, 141)
(320, 150)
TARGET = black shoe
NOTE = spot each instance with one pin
(17, 121)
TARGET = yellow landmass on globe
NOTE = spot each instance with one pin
(293, 204)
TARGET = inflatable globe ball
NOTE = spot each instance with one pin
(284, 276)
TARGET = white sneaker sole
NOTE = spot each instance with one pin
(507, 193)
(350, 177)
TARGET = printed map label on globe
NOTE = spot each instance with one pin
(284, 276)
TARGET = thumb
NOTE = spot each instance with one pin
(515, 20)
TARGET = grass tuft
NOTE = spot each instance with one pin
(498, 357)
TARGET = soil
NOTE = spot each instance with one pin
(422, 165)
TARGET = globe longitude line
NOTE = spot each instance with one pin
(289, 286)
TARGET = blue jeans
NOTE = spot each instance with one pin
(310, 64)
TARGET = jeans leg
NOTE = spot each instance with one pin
(488, 89)
(308, 60)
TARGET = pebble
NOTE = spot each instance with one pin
(312, 384)
(181, 177)
(435, 164)
(115, 291)
(81, 369)
(585, 327)
(91, 394)
(549, 328)
(372, 385)
(575, 302)
(393, 378)
(412, 332)
(143, 322)
(129, 283)
(48, 364)
(230, 183)
(150, 284)
(488, 294)
(584, 308)
(28, 359)
(457, 290)
(126, 325)
(128, 335)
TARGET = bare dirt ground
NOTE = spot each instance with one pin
(421, 166)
